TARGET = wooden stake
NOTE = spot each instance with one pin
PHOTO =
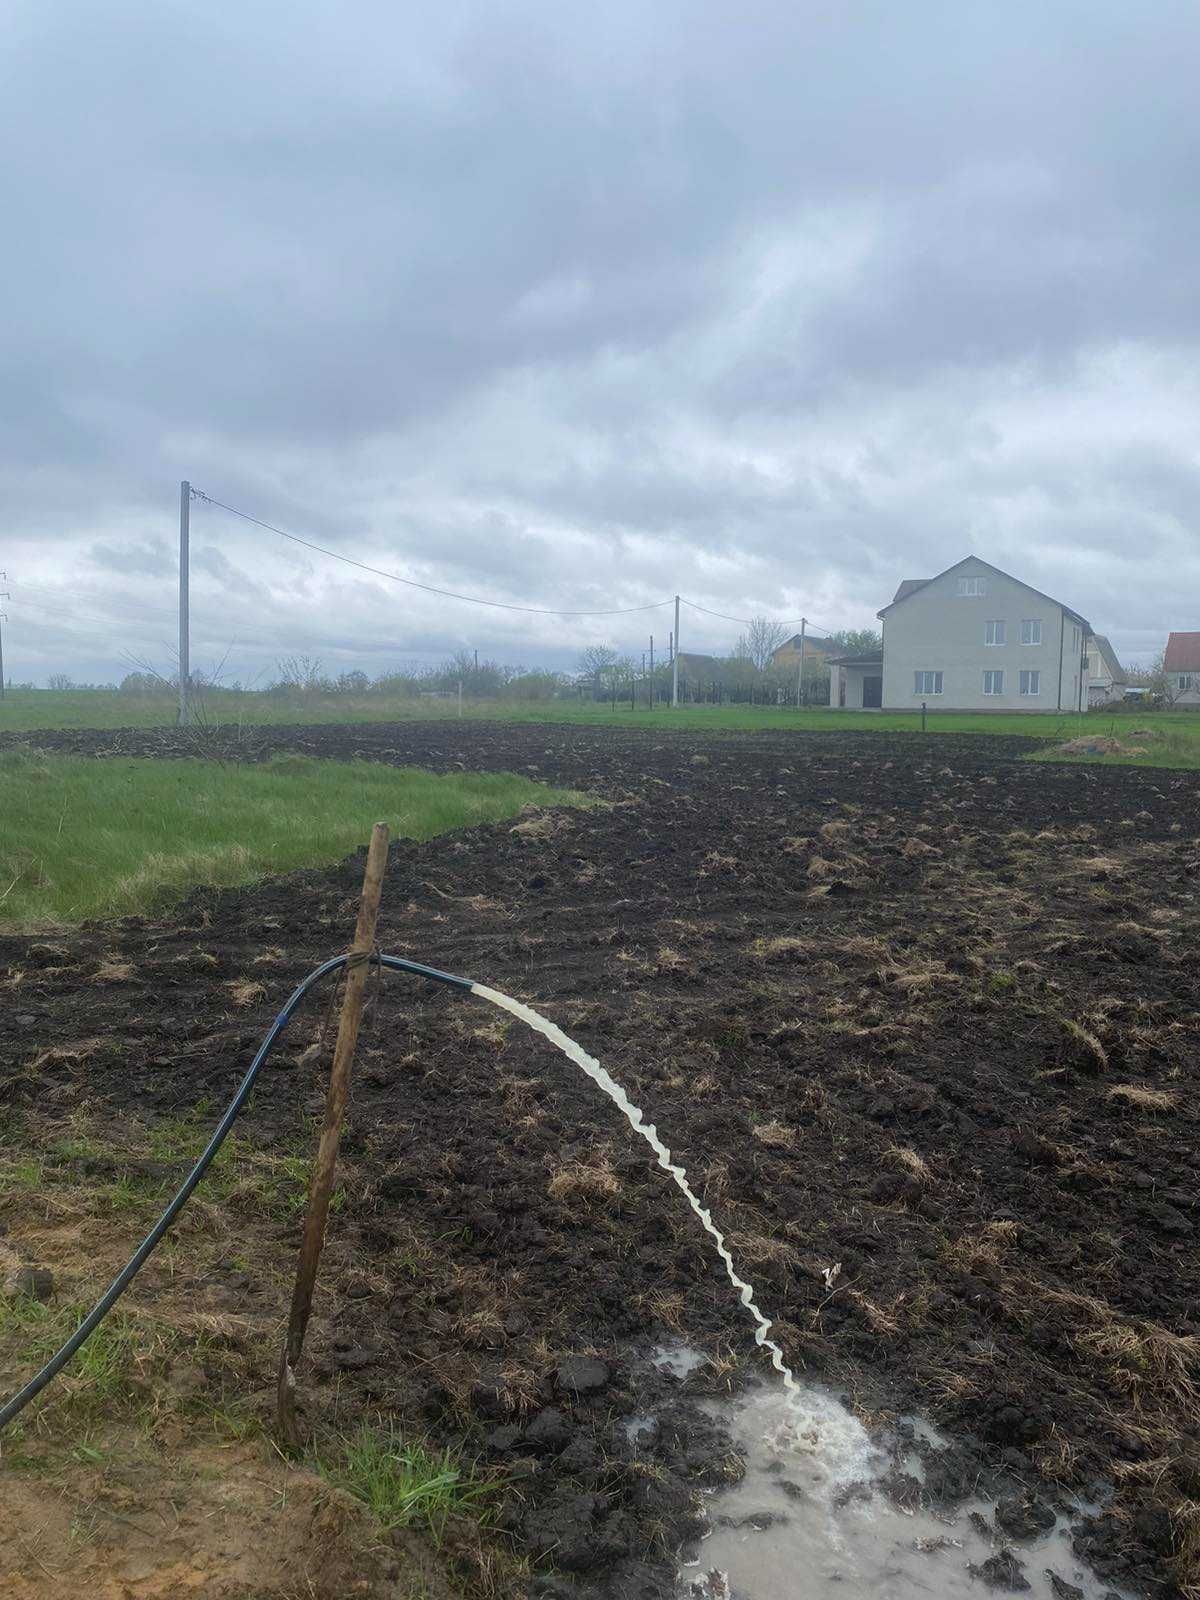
(321, 1184)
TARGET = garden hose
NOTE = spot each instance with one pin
(135, 1263)
(540, 1024)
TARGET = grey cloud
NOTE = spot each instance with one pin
(563, 305)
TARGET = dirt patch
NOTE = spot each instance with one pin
(219, 1523)
(912, 1061)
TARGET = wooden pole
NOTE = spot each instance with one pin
(320, 1186)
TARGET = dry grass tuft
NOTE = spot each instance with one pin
(910, 1161)
(113, 969)
(592, 1180)
(776, 1135)
(785, 944)
(714, 861)
(1185, 1519)
(832, 831)
(540, 826)
(65, 1054)
(245, 991)
(759, 1250)
(665, 1306)
(668, 960)
(1142, 1097)
(880, 1321)
(1086, 1044)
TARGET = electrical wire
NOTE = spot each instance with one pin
(746, 621)
(412, 583)
(130, 1270)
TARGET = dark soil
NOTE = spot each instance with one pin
(896, 1003)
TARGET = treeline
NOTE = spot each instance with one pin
(301, 677)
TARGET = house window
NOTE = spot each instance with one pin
(1031, 682)
(927, 683)
(972, 586)
(993, 682)
(995, 633)
(1031, 630)
(1185, 681)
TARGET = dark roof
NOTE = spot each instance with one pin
(812, 641)
(911, 585)
(873, 658)
(1109, 656)
(1182, 653)
(690, 662)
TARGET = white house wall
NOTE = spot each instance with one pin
(938, 630)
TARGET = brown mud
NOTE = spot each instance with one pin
(908, 1007)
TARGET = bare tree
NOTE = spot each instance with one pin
(760, 642)
(596, 661)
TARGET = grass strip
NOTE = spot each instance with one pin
(85, 838)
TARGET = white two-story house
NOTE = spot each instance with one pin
(976, 639)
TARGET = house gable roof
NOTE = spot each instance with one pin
(812, 641)
(910, 586)
(1182, 653)
(1109, 656)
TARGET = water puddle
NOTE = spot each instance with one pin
(824, 1509)
(680, 1360)
(821, 1503)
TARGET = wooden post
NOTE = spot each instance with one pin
(321, 1184)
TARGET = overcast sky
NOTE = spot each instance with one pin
(574, 306)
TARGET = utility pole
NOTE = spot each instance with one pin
(800, 669)
(185, 508)
(652, 672)
(3, 614)
(675, 658)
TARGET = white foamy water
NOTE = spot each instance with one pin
(603, 1080)
(809, 1518)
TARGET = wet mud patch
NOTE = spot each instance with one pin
(920, 1021)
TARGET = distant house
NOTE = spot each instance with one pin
(973, 638)
(815, 649)
(1106, 677)
(699, 675)
(1181, 668)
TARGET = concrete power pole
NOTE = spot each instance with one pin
(675, 659)
(3, 615)
(185, 509)
(800, 668)
(652, 672)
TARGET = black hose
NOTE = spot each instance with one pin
(135, 1263)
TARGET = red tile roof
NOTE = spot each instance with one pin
(1183, 653)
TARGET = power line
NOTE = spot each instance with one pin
(745, 622)
(446, 594)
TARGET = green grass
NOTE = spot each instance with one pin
(406, 1484)
(1172, 739)
(26, 710)
(101, 1375)
(84, 838)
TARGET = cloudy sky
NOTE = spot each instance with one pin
(576, 306)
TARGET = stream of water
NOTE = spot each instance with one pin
(809, 1516)
(646, 1130)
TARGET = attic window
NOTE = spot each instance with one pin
(972, 586)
